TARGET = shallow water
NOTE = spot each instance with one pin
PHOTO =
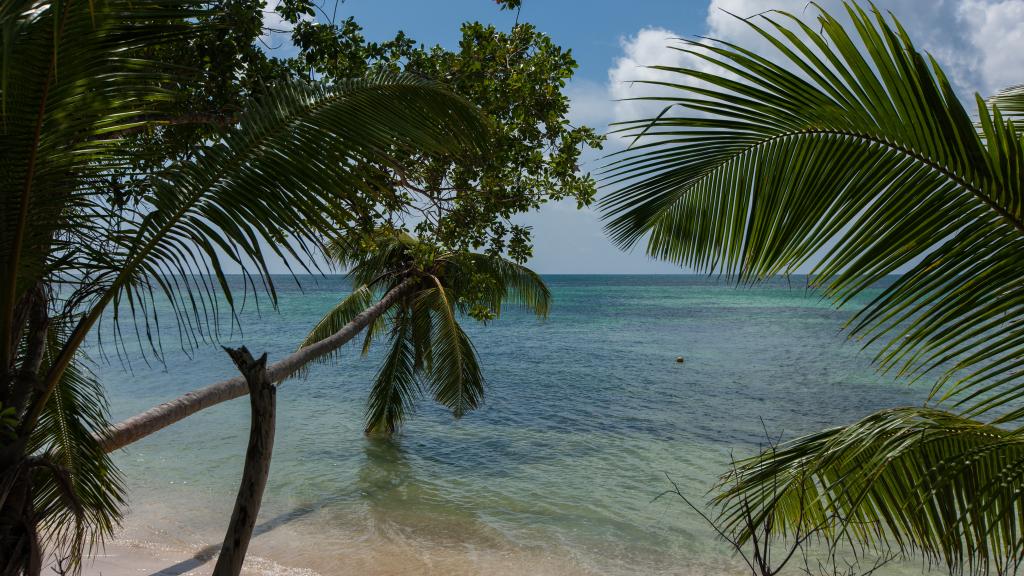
(587, 415)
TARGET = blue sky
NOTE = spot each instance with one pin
(592, 29)
(978, 42)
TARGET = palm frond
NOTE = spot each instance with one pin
(504, 281)
(360, 299)
(80, 496)
(927, 480)
(280, 179)
(422, 333)
(860, 163)
(455, 378)
(1010, 102)
(377, 259)
(73, 79)
(284, 177)
(395, 388)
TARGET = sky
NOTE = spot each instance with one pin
(979, 44)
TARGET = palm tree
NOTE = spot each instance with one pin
(854, 156)
(413, 291)
(426, 342)
(76, 81)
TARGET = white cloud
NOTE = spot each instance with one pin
(996, 31)
(650, 47)
(588, 103)
(277, 32)
(978, 43)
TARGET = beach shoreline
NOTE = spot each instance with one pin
(132, 558)
(127, 557)
(556, 474)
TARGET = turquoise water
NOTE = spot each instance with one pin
(586, 413)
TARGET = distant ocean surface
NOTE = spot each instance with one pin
(587, 415)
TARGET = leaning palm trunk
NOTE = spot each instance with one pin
(141, 425)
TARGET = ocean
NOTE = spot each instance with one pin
(588, 418)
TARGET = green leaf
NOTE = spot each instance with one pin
(863, 165)
(427, 341)
(927, 480)
(854, 157)
(80, 498)
(395, 388)
(455, 377)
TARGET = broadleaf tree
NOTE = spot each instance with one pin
(516, 77)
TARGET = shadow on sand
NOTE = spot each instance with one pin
(208, 553)
(385, 467)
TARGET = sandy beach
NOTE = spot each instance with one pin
(132, 558)
(125, 557)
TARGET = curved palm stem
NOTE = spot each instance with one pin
(143, 424)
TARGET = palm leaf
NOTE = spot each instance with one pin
(80, 498)
(284, 175)
(856, 158)
(505, 281)
(861, 163)
(72, 80)
(1010, 102)
(280, 179)
(395, 388)
(360, 299)
(380, 258)
(925, 479)
(455, 377)
(374, 269)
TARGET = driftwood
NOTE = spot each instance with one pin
(263, 400)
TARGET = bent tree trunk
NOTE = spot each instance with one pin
(262, 398)
(141, 425)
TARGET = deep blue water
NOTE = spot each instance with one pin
(586, 413)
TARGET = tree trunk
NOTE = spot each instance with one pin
(20, 552)
(263, 400)
(25, 384)
(141, 425)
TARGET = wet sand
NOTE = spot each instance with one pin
(135, 558)
(130, 558)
